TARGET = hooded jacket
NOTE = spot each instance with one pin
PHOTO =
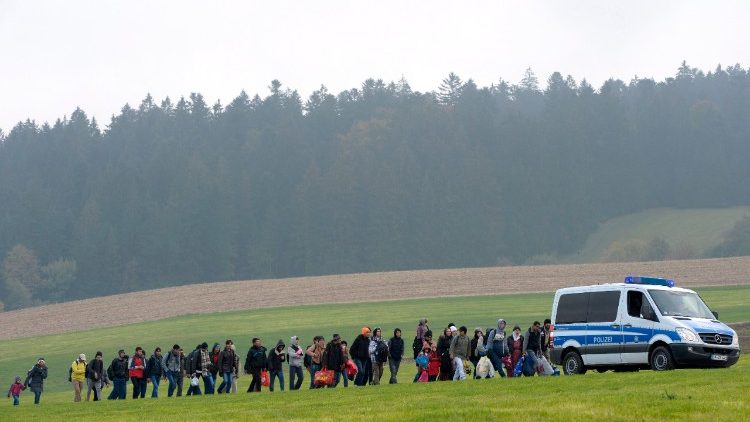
(296, 353)
(256, 358)
(496, 341)
(78, 370)
(276, 359)
(155, 366)
(119, 367)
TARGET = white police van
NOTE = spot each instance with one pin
(643, 322)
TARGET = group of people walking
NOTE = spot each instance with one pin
(452, 356)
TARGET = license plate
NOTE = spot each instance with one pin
(719, 357)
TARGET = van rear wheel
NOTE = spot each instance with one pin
(661, 359)
(573, 364)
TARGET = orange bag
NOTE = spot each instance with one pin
(324, 377)
(265, 380)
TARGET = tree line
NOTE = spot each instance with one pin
(379, 177)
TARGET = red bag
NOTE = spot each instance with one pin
(324, 377)
(506, 361)
(424, 377)
(351, 369)
(265, 380)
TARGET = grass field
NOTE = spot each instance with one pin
(682, 395)
(701, 229)
(679, 394)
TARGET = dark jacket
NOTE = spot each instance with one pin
(444, 345)
(214, 358)
(35, 378)
(473, 346)
(276, 359)
(95, 370)
(396, 348)
(333, 356)
(119, 368)
(360, 348)
(545, 339)
(227, 361)
(155, 366)
(532, 341)
(256, 358)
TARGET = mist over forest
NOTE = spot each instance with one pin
(378, 177)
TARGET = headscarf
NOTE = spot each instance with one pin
(295, 341)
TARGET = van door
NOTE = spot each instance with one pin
(604, 330)
(638, 323)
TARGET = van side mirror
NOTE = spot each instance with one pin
(716, 314)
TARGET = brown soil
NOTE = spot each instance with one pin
(236, 295)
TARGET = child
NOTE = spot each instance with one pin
(15, 391)
(345, 352)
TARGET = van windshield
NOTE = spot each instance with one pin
(687, 304)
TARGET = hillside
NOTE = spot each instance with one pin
(688, 231)
(151, 305)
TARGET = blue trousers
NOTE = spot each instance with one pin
(119, 389)
(226, 383)
(276, 374)
(155, 383)
(295, 371)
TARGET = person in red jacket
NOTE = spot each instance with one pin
(136, 372)
(15, 391)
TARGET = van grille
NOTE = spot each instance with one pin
(711, 338)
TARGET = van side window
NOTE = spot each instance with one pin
(638, 306)
(603, 306)
(571, 308)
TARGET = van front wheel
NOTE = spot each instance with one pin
(661, 359)
(573, 364)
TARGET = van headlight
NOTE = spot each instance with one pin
(735, 340)
(687, 335)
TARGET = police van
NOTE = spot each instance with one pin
(641, 323)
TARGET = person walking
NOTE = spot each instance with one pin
(227, 365)
(173, 364)
(35, 379)
(315, 352)
(532, 348)
(360, 353)
(137, 373)
(459, 350)
(256, 362)
(118, 370)
(236, 373)
(96, 377)
(296, 358)
(276, 359)
(155, 371)
(396, 353)
(206, 367)
(477, 349)
(497, 346)
(333, 359)
(345, 355)
(194, 370)
(378, 349)
(443, 350)
(214, 367)
(15, 391)
(77, 376)
(515, 346)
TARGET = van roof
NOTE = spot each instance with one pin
(619, 286)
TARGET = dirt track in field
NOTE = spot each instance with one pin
(237, 295)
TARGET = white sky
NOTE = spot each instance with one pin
(57, 55)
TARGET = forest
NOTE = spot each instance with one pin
(374, 178)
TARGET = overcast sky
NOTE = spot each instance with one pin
(98, 55)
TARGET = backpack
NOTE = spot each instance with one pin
(307, 361)
(416, 346)
(489, 334)
(381, 352)
(110, 372)
(422, 360)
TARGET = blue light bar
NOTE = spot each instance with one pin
(652, 281)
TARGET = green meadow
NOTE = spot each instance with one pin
(645, 395)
